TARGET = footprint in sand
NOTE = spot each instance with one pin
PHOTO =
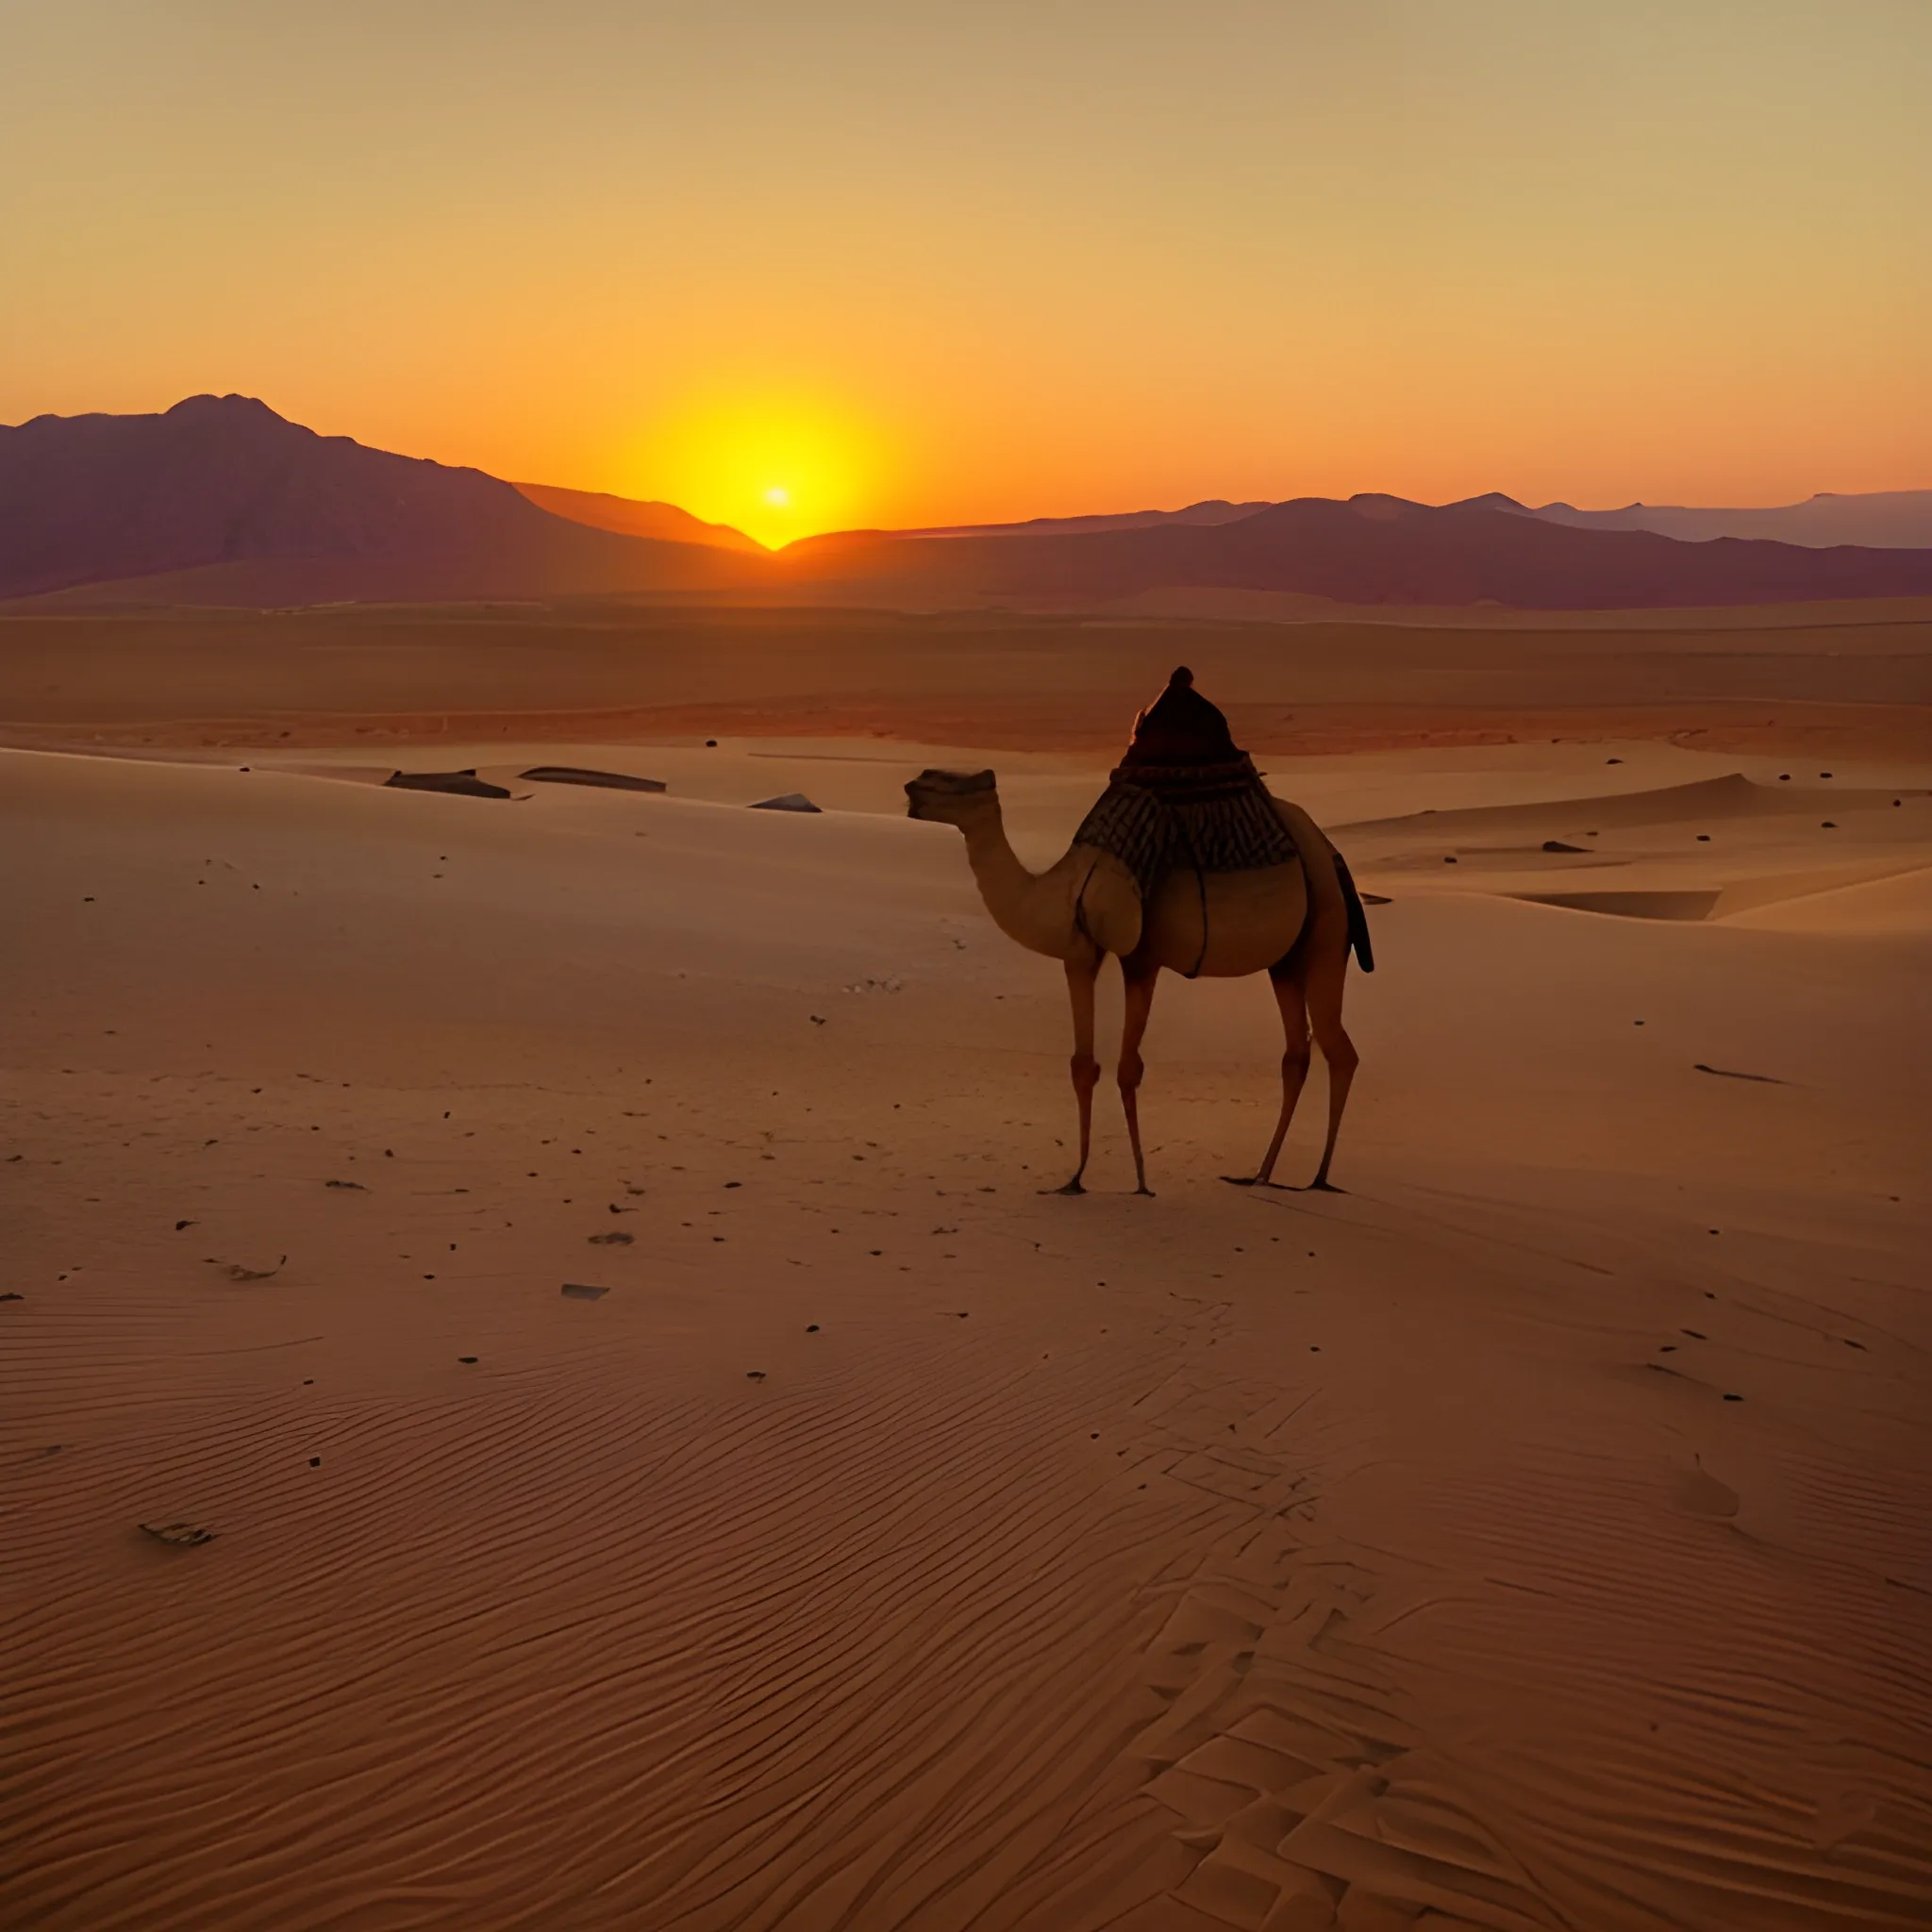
(235, 1272)
(1700, 1493)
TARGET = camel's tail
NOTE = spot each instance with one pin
(1357, 918)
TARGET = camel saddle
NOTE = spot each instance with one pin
(1185, 794)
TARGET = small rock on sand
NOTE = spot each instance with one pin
(465, 783)
(180, 1536)
(613, 1240)
(584, 1292)
(786, 801)
(1557, 845)
(578, 774)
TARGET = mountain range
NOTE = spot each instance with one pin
(219, 500)
(1884, 519)
(219, 486)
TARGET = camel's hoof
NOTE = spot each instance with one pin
(1143, 1190)
(1324, 1188)
(1073, 1187)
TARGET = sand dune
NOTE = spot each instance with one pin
(1530, 1536)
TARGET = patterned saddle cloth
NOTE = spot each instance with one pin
(1204, 818)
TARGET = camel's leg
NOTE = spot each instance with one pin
(1294, 1063)
(1327, 973)
(1139, 977)
(1081, 974)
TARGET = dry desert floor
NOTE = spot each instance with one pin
(581, 1258)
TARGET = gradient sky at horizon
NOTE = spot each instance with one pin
(963, 261)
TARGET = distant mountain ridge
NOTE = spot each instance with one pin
(1373, 549)
(630, 517)
(1881, 519)
(1215, 510)
(219, 500)
(223, 480)
(1884, 519)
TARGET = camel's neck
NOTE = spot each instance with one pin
(1003, 880)
(1043, 910)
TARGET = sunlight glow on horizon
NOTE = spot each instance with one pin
(716, 456)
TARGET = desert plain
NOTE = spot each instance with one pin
(582, 1259)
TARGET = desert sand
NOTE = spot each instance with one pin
(1533, 1536)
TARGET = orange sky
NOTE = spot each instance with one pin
(998, 258)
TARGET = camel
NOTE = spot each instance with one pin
(1297, 920)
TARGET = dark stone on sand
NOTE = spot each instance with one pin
(465, 784)
(1731, 1074)
(615, 1239)
(811, 1327)
(754, 1374)
(180, 1225)
(179, 1536)
(11, 1295)
(469, 1358)
(1557, 845)
(315, 1462)
(786, 801)
(355, 1186)
(584, 1292)
(1449, 858)
(579, 775)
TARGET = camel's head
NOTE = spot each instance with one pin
(951, 797)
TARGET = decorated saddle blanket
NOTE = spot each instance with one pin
(1203, 817)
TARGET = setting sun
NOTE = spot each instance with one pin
(717, 458)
